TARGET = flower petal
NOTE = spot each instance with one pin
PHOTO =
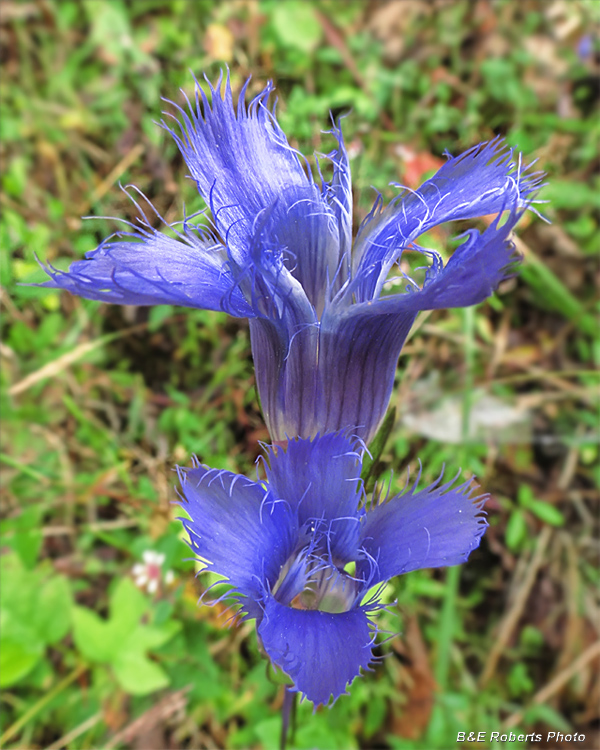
(434, 527)
(483, 180)
(301, 229)
(358, 354)
(338, 194)
(471, 275)
(241, 530)
(320, 651)
(241, 162)
(284, 337)
(282, 361)
(320, 479)
(152, 268)
(359, 345)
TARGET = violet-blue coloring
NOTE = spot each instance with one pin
(327, 321)
(306, 554)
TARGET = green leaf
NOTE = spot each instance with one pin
(35, 610)
(571, 194)
(54, 610)
(268, 731)
(519, 681)
(157, 316)
(127, 606)
(122, 640)
(110, 29)
(92, 636)
(25, 535)
(544, 713)
(137, 674)
(554, 294)
(546, 512)
(516, 531)
(374, 717)
(277, 676)
(296, 25)
(148, 637)
(17, 660)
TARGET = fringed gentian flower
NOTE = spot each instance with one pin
(326, 331)
(303, 551)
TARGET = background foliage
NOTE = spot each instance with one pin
(100, 402)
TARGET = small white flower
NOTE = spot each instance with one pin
(153, 558)
(148, 574)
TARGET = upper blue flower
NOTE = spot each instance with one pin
(325, 334)
(303, 551)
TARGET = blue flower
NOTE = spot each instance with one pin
(326, 332)
(303, 550)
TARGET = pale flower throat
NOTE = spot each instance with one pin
(309, 581)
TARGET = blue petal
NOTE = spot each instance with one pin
(302, 230)
(358, 354)
(359, 345)
(338, 194)
(285, 365)
(284, 338)
(481, 181)
(471, 275)
(238, 528)
(151, 268)
(321, 652)
(434, 527)
(320, 479)
(241, 162)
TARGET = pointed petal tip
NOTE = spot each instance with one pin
(322, 653)
(439, 525)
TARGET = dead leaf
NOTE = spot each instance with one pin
(218, 42)
(419, 684)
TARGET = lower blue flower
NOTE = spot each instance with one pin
(305, 553)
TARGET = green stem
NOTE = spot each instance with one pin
(446, 628)
(469, 333)
(58, 688)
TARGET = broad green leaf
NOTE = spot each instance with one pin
(34, 609)
(137, 674)
(148, 637)
(24, 534)
(17, 660)
(17, 593)
(127, 605)
(54, 610)
(27, 545)
(374, 717)
(296, 25)
(268, 731)
(93, 636)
